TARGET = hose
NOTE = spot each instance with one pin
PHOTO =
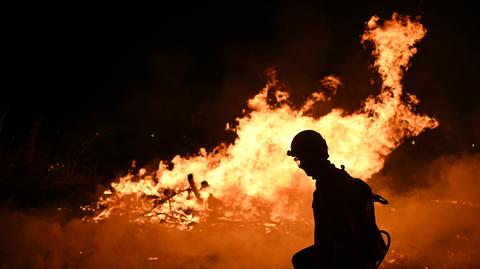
(389, 240)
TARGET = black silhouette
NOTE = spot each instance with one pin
(346, 234)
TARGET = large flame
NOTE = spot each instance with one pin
(255, 170)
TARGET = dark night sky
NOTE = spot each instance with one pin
(86, 84)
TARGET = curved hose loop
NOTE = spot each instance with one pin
(389, 240)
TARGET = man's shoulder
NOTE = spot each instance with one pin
(358, 187)
(360, 184)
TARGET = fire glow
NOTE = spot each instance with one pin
(252, 178)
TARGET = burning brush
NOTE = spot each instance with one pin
(179, 207)
(186, 213)
(252, 176)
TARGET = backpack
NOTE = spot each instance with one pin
(373, 244)
(380, 247)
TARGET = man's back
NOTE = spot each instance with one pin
(338, 208)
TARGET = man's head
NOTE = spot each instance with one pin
(309, 150)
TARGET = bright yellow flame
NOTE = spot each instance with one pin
(255, 169)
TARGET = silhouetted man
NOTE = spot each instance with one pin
(342, 209)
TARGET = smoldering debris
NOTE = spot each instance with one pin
(41, 242)
(435, 227)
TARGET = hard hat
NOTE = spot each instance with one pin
(308, 142)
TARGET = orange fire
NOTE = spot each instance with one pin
(253, 177)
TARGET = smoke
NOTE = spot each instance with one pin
(434, 226)
(42, 242)
(431, 227)
(437, 226)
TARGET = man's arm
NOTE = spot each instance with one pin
(323, 236)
